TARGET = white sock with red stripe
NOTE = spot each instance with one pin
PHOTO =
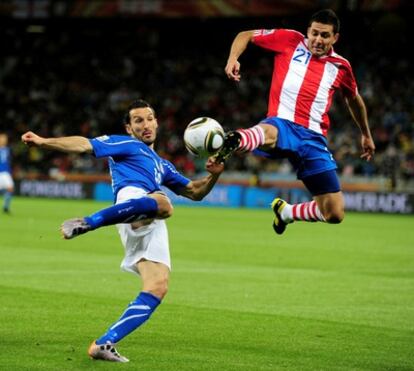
(307, 211)
(251, 138)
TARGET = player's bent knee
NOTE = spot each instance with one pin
(335, 217)
(165, 211)
(159, 288)
(165, 208)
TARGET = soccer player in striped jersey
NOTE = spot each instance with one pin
(137, 174)
(307, 72)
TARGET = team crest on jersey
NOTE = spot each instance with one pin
(102, 138)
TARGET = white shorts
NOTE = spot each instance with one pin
(6, 181)
(149, 242)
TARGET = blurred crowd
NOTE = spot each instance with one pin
(77, 78)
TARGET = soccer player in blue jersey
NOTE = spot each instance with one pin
(6, 180)
(139, 211)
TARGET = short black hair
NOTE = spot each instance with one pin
(326, 16)
(139, 103)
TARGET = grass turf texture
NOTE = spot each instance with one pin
(241, 298)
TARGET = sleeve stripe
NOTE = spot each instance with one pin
(123, 142)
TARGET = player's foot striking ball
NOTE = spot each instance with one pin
(230, 145)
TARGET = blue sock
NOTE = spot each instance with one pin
(7, 200)
(134, 316)
(125, 212)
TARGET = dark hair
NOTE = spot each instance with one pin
(326, 16)
(139, 103)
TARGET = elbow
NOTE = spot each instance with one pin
(87, 148)
(78, 150)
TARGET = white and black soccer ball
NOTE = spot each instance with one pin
(203, 137)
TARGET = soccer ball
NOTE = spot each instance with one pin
(203, 136)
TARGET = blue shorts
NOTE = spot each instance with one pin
(305, 149)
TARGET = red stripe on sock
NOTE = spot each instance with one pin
(294, 212)
(250, 139)
(301, 211)
(307, 211)
(313, 208)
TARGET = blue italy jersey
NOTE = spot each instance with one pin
(5, 160)
(133, 163)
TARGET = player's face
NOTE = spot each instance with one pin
(143, 125)
(321, 37)
(3, 140)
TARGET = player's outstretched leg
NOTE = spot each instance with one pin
(279, 225)
(124, 212)
(105, 352)
(242, 140)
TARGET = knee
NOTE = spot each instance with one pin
(165, 208)
(158, 287)
(165, 211)
(270, 133)
(334, 216)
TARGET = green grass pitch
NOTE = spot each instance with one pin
(320, 297)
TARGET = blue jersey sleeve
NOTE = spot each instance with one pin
(114, 145)
(172, 178)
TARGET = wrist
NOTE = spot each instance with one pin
(232, 58)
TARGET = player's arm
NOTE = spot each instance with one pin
(359, 114)
(73, 144)
(238, 46)
(197, 189)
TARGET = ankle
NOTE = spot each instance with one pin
(287, 214)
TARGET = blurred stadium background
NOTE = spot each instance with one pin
(71, 67)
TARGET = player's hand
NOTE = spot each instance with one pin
(29, 138)
(368, 147)
(32, 139)
(214, 167)
(232, 70)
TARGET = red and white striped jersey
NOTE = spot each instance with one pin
(302, 84)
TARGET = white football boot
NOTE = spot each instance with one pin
(105, 352)
(74, 227)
